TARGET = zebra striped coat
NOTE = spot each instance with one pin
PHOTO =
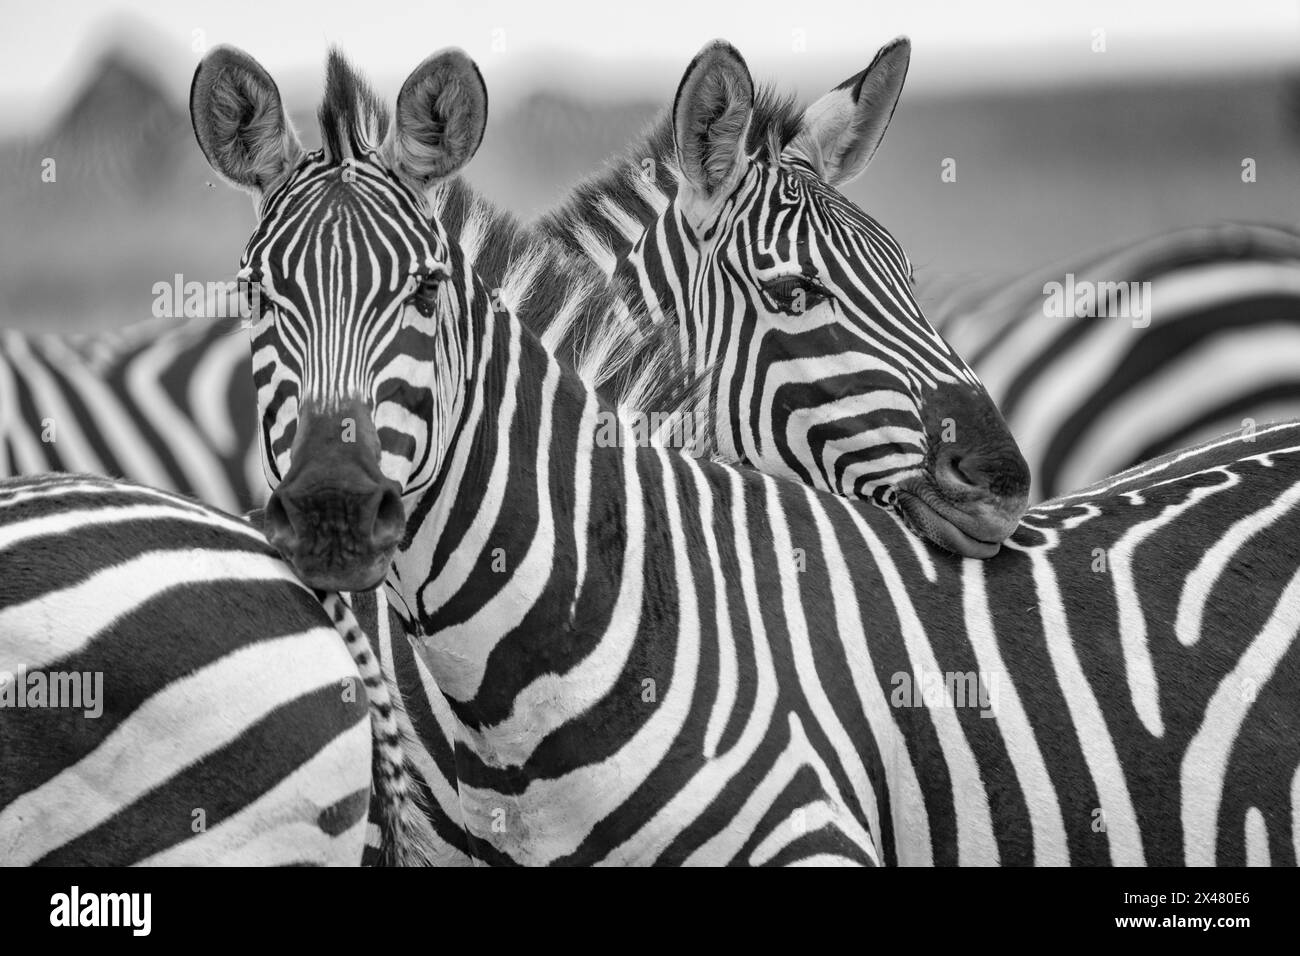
(1216, 349)
(164, 403)
(651, 658)
(169, 405)
(242, 743)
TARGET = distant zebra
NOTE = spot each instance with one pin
(1217, 349)
(228, 727)
(166, 403)
(650, 658)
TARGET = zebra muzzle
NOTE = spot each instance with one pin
(972, 527)
(336, 518)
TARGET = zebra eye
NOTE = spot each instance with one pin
(794, 294)
(254, 302)
(425, 296)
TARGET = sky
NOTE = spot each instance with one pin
(44, 44)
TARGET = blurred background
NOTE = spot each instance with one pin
(1070, 126)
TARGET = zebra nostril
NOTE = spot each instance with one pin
(279, 527)
(390, 519)
(955, 470)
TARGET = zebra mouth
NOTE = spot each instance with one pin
(948, 525)
(350, 582)
(331, 576)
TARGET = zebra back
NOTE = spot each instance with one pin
(228, 725)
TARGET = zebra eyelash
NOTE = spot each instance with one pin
(794, 294)
(424, 294)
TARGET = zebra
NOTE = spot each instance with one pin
(170, 404)
(1062, 386)
(111, 385)
(227, 726)
(577, 322)
(797, 304)
(163, 402)
(1216, 349)
(649, 657)
(1083, 396)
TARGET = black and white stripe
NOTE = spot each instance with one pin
(165, 403)
(233, 725)
(1139, 703)
(649, 658)
(1089, 395)
(224, 688)
(798, 303)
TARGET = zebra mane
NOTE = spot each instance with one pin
(597, 225)
(579, 314)
(605, 213)
(352, 118)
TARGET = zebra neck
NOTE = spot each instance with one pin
(626, 223)
(532, 540)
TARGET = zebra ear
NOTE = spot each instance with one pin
(841, 130)
(239, 121)
(441, 113)
(711, 117)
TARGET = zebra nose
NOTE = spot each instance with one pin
(965, 475)
(338, 532)
(959, 474)
(390, 519)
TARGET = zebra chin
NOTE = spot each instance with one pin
(973, 488)
(970, 529)
(331, 575)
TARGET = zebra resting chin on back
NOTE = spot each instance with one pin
(226, 725)
(796, 304)
(650, 658)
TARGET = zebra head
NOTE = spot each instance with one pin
(357, 293)
(801, 309)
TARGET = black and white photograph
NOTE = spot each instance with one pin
(450, 434)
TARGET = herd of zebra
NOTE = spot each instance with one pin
(605, 644)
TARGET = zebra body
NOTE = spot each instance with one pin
(164, 403)
(230, 724)
(238, 743)
(712, 676)
(1216, 348)
(650, 658)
